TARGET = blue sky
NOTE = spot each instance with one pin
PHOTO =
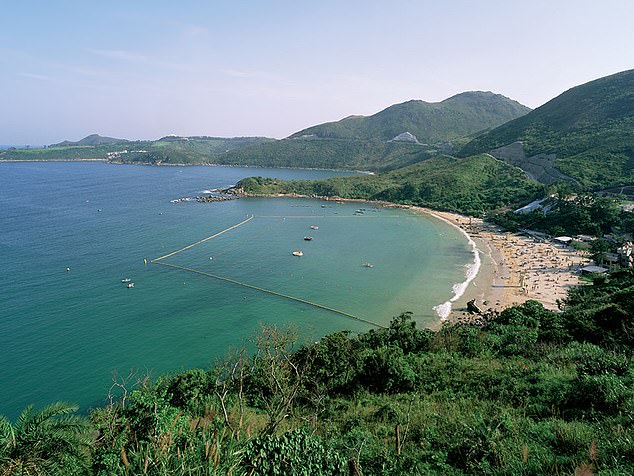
(144, 69)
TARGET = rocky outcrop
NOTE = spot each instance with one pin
(405, 137)
(540, 167)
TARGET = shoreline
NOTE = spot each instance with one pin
(511, 268)
(202, 164)
(515, 268)
(14, 161)
(508, 269)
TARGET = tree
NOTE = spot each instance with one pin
(51, 441)
(598, 249)
(277, 376)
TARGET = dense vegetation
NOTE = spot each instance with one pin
(526, 391)
(364, 143)
(184, 150)
(572, 214)
(590, 128)
(92, 140)
(192, 150)
(473, 186)
(59, 153)
(352, 154)
(453, 118)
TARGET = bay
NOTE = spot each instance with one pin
(63, 333)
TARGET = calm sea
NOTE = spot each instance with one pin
(63, 333)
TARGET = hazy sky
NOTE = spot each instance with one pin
(144, 69)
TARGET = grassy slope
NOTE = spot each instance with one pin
(431, 123)
(473, 185)
(590, 128)
(362, 142)
(329, 153)
(191, 151)
(60, 153)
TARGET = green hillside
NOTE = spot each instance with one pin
(190, 150)
(354, 143)
(168, 150)
(473, 185)
(329, 154)
(456, 117)
(367, 143)
(58, 153)
(92, 140)
(589, 129)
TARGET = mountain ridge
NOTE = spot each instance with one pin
(457, 116)
(587, 131)
(91, 140)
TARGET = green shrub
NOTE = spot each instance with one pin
(292, 453)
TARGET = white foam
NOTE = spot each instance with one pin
(471, 271)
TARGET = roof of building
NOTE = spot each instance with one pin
(594, 269)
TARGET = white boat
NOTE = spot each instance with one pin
(126, 280)
(297, 253)
(368, 265)
(313, 227)
(130, 285)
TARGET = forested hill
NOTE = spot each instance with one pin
(587, 132)
(167, 150)
(91, 140)
(458, 116)
(473, 186)
(398, 136)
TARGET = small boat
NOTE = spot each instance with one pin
(297, 253)
(130, 285)
(368, 265)
(360, 211)
(313, 227)
(126, 280)
(308, 238)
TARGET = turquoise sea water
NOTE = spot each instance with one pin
(63, 333)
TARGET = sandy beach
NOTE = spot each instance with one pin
(514, 267)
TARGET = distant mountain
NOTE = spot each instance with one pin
(91, 140)
(458, 116)
(167, 150)
(189, 150)
(585, 135)
(400, 135)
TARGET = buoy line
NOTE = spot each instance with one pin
(327, 216)
(275, 293)
(202, 241)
